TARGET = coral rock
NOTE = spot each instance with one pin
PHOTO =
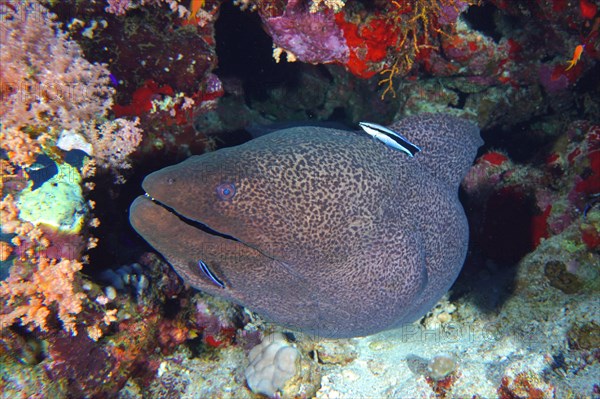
(272, 364)
(276, 366)
(312, 37)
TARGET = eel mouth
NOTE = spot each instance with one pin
(190, 222)
(197, 252)
(162, 226)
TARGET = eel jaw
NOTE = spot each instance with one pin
(184, 243)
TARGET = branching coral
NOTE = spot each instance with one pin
(47, 86)
(388, 81)
(48, 89)
(31, 297)
(418, 22)
(114, 141)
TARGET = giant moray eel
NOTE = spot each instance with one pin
(320, 230)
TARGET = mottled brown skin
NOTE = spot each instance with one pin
(335, 234)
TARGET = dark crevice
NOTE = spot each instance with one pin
(339, 114)
(518, 146)
(589, 82)
(462, 99)
(481, 18)
(171, 308)
(118, 243)
(245, 52)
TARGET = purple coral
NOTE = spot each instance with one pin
(449, 12)
(118, 7)
(311, 37)
(552, 83)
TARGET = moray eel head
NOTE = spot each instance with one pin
(321, 230)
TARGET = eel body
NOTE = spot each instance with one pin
(321, 230)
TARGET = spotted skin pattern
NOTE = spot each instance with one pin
(328, 232)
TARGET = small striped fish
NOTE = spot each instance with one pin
(210, 275)
(392, 139)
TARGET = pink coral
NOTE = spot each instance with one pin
(311, 37)
(46, 82)
(114, 141)
(449, 12)
(118, 7)
(47, 87)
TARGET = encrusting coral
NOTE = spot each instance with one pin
(387, 42)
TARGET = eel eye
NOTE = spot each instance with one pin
(226, 191)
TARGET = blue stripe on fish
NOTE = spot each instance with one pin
(211, 276)
(390, 138)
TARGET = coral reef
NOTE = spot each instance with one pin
(48, 87)
(387, 41)
(166, 83)
(543, 209)
(50, 90)
(94, 94)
